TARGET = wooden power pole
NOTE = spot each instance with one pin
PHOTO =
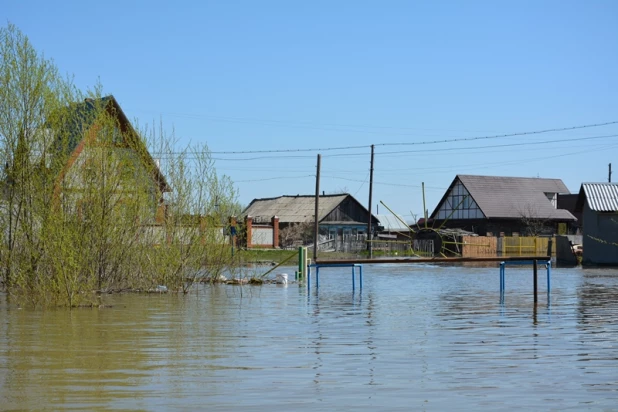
(315, 215)
(370, 203)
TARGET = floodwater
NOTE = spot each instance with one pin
(417, 337)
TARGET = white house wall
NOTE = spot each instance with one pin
(261, 236)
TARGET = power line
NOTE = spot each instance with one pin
(468, 139)
(448, 168)
(399, 152)
(576, 139)
(384, 183)
(487, 165)
(463, 139)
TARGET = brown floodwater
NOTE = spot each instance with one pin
(414, 338)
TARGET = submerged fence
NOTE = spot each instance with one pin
(423, 248)
(479, 246)
(520, 245)
(465, 246)
(487, 246)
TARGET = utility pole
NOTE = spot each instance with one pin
(315, 216)
(370, 203)
(424, 207)
(609, 178)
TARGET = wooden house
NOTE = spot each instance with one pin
(98, 149)
(340, 216)
(494, 205)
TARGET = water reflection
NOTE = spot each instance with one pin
(415, 338)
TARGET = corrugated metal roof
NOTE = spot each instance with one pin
(513, 197)
(391, 223)
(602, 197)
(293, 209)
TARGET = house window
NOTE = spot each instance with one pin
(459, 205)
(553, 199)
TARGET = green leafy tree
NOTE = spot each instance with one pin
(31, 90)
(82, 206)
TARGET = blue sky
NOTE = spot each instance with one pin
(249, 76)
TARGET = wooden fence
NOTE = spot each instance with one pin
(483, 246)
(479, 246)
(523, 245)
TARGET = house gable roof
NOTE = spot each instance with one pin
(81, 116)
(296, 209)
(601, 197)
(512, 197)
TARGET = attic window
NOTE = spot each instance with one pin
(553, 199)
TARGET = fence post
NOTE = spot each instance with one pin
(519, 239)
(301, 265)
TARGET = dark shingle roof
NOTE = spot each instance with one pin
(513, 197)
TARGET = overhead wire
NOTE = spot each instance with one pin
(480, 149)
(295, 154)
(463, 139)
(438, 169)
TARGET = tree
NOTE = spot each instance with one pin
(296, 234)
(533, 222)
(198, 208)
(78, 221)
(31, 90)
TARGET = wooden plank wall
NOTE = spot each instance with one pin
(482, 246)
(523, 245)
(479, 246)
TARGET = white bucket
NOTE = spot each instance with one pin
(282, 278)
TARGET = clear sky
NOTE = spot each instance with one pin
(253, 76)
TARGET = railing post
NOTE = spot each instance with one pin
(502, 270)
(534, 273)
(548, 277)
